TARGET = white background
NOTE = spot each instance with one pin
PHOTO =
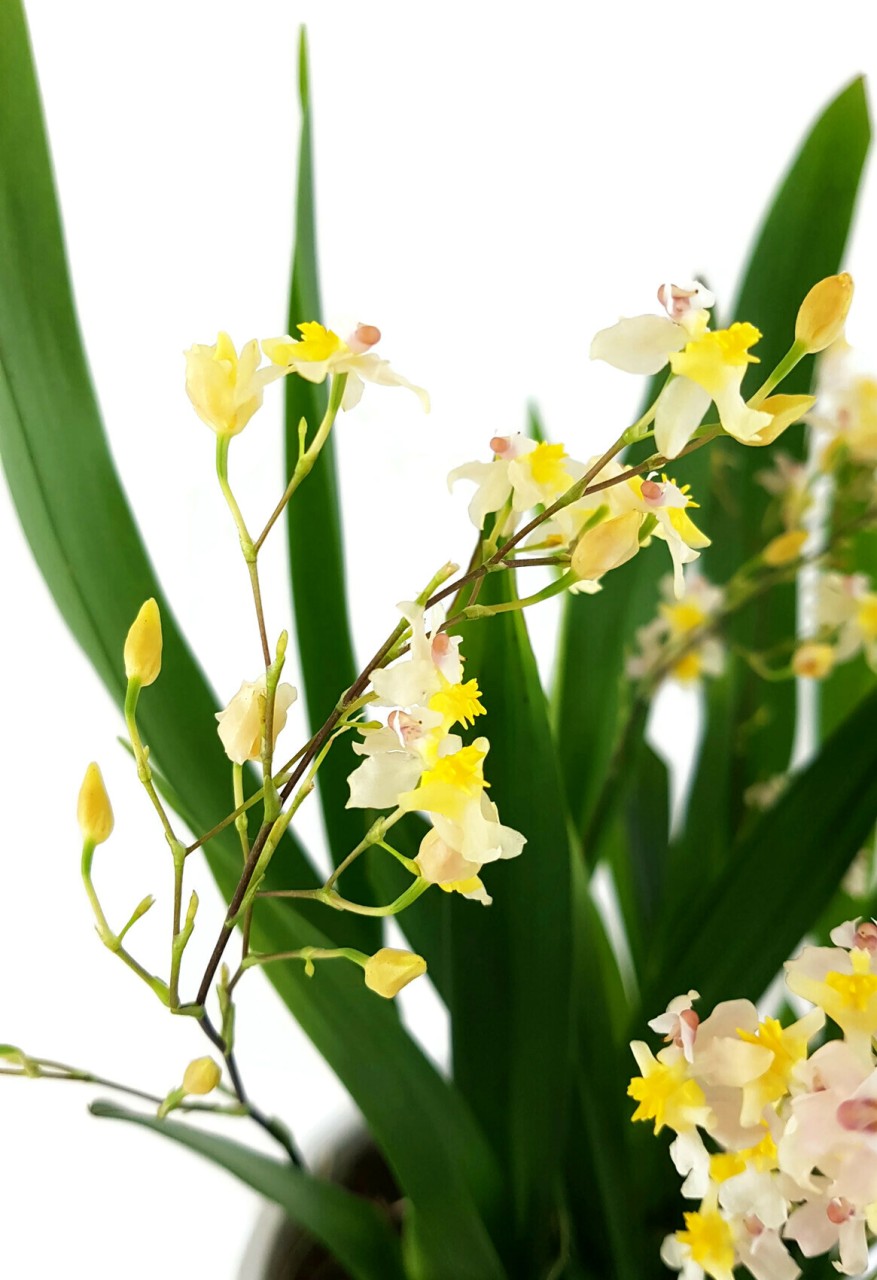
(494, 184)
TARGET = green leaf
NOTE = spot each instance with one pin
(510, 991)
(316, 550)
(588, 696)
(730, 937)
(87, 545)
(749, 737)
(353, 1229)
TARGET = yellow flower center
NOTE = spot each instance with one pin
(458, 703)
(708, 359)
(787, 1049)
(689, 667)
(725, 1165)
(462, 770)
(665, 1095)
(683, 617)
(546, 467)
(709, 1238)
(317, 343)
(867, 615)
(854, 989)
(763, 1156)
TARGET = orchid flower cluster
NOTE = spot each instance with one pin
(839, 477)
(583, 519)
(775, 1131)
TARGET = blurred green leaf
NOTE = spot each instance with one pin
(353, 1229)
(316, 550)
(749, 735)
(510, 989)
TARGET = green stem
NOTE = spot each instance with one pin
(308, 954)
(374, 835)
(795, 354)
(332, 899)
(306, 459)
(106, 935)
(251, 551)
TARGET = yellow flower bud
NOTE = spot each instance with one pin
(201, 1076)
(93, 809)
(389, 970)
(606, 546)
(823, 313)
(143, 645)
(785, 548)
(813, 660)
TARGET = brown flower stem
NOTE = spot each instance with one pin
(278, 1131)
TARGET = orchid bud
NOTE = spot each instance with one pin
(389, 970)
(201, 1076)
(93, 810)
(785, 548)
(608, 545)
(823, 312)
(813, 661)
(143, 645)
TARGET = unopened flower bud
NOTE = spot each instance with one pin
(93, 810)
(813, 661)
(143, 645)
(785, 548)
(823, 312)
(606, 546)
(389, 970)
(201, 1076)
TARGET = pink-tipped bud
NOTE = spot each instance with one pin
(838, 1210)
(753, 1225)
(364, 337)
(500, 445)
(652, 492)
(866, 936)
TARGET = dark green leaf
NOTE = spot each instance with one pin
(316, 550)
(510, 976)
(353, 1229)
(749, 738)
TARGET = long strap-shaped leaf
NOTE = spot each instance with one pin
(751, 726)
(316, 551)
(86, 543)
(510, 990)
(352, 1228)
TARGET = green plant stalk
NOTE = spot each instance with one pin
(307, 457)
(332, 899)
(110, 939)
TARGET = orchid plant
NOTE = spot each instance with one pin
(523, 840)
